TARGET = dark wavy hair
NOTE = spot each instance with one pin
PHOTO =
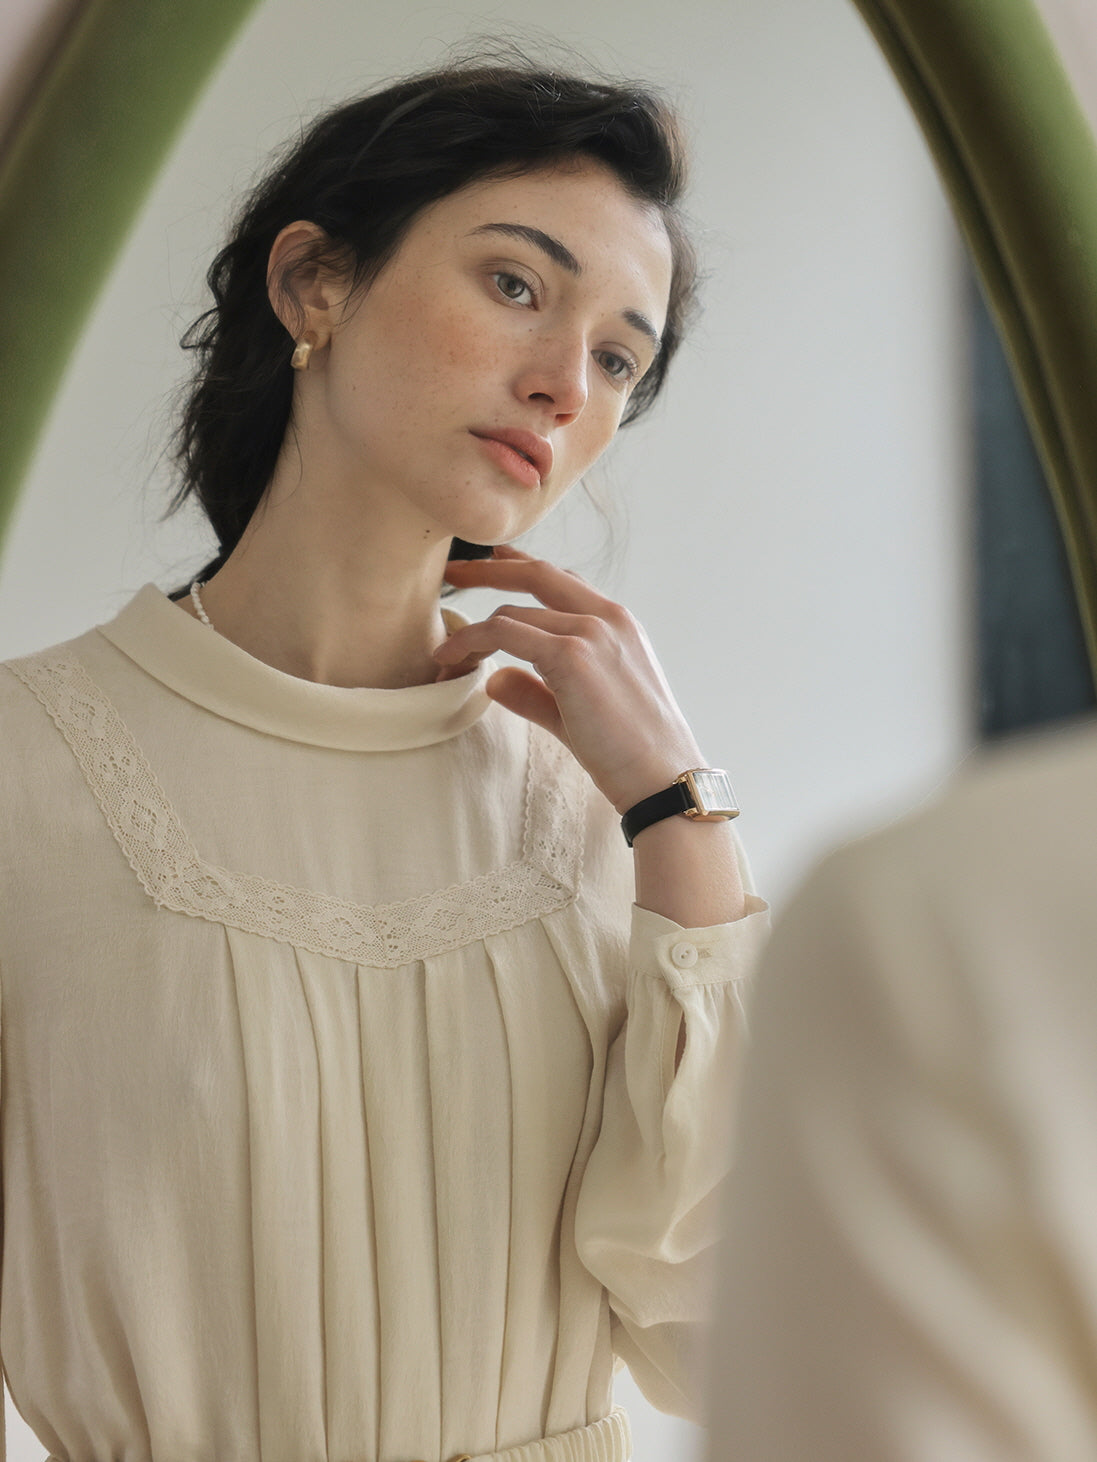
(363, 172)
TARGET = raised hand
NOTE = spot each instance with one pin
(595, 682)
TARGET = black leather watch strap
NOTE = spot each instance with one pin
(666, 803)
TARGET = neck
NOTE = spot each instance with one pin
(332, 594)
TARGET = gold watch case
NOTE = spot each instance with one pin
(710, 788)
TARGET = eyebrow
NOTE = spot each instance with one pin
(643, 324)
(560, 254)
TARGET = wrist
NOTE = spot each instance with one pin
(689, 874)
(654, 776)
(701, 794)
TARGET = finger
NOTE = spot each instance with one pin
(538, 647)
(508, 550)
(462, 667)
(555, 621)
(527, 696)
(457, 660)
(555, 587)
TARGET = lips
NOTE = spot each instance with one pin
(535, 449)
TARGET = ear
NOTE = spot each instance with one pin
(306, 295)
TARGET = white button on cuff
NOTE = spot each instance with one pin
(684, 956)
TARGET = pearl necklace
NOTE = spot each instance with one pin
(196, 601)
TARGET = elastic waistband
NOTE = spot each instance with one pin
(608, 1440)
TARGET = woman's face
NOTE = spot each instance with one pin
(488, 364)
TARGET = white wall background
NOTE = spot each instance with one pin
(793, 523)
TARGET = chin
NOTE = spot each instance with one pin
(488, 529)
(488, 508)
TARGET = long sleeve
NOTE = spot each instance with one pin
(648, 1211)
(909, 1270)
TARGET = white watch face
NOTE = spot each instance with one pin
(711, 789)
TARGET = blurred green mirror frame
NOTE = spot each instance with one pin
(982, 77)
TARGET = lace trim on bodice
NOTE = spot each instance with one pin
(174, 874)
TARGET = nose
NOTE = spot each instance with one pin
(555, 376)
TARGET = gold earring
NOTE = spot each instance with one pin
(299, 360)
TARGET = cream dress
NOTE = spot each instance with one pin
(340, 1119)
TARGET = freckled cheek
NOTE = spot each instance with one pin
(601, 428)
(444, 328)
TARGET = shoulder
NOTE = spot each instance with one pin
(22, 676)
(39, 694)
(1023, 809)
(986, 888)
(41, 700)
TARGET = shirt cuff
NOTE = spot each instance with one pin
(689, 957)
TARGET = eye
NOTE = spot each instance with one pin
(619, 368)
(513, 287)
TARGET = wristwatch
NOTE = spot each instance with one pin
(704, 793)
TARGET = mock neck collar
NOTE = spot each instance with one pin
(200, 664)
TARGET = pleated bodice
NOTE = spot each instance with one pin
(307, 1002)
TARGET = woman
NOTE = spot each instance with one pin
(341, 1120)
